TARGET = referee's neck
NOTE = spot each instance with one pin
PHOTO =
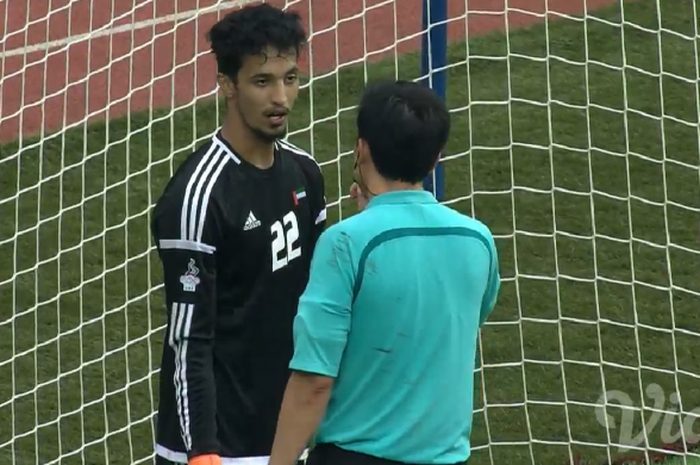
(395, 186)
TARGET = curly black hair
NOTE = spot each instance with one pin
(251, 29)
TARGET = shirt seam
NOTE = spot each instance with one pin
(400, 233)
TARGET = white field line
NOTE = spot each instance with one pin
(106, 30)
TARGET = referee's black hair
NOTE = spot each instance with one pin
(406, 126)
(249, 30)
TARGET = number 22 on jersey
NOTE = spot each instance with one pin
(285, 238)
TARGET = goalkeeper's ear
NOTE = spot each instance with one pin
(227, 86)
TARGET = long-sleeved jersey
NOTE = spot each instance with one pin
(235, 242)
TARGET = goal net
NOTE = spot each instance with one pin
(575, 138)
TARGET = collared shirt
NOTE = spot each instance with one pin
(392, 310)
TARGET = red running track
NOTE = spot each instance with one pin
(145, 53)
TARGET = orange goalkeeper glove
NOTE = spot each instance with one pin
(208, 459)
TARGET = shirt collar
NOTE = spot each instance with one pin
(402, 197)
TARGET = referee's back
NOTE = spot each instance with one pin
(395, 298)
(425, 279)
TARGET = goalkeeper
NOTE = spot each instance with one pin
(386, 331)
(236, 227)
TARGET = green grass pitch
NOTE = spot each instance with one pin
(602, 223)
(681, 461)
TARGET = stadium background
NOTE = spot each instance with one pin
(137, 45)
(599, 251)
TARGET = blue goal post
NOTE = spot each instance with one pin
(433, 73)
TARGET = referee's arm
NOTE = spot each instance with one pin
(189, 276)
(493, 286)
(320, 334)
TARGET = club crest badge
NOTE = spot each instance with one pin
(190, 280)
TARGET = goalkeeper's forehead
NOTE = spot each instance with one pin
(271, 61)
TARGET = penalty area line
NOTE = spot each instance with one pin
(105, 31)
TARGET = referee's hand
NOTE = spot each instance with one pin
(359, 196)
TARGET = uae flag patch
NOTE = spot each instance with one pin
(298, 194)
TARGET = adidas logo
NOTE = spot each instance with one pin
(251, 222)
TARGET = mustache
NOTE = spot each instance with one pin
(279, 111)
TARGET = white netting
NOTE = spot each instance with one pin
(575, 139)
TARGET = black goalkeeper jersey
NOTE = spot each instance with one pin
(235, 243)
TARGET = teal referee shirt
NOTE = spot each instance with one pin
(392, 310)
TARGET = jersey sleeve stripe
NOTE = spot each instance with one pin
(187, 437)
(180, 325)
(181, 244)
(190, 185)
(173, 322)
(321, 216)
(207, 196)
(175, 318)
(198, 191)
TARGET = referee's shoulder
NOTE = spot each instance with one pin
(354, 232)
(471, 223)
(345, 231)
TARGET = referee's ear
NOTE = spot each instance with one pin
(437, 160)
(362, 154)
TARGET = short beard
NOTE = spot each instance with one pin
(259, 133)
(264, 136)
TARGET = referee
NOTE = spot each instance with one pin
(386, 331)
(235, 228)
